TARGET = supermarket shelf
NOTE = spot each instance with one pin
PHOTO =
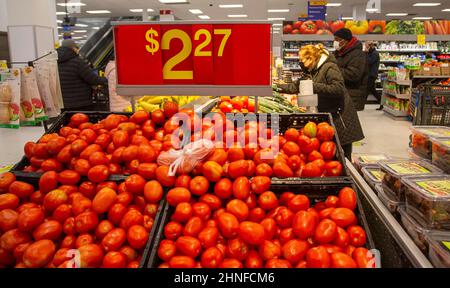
(399, 96)
(400, 82)
(431, 77)
(412, 252)
(291, 58)
(292, 68)
(409, 51)
(394, 112)
(392, 61)
(373, 37)
(291, 49)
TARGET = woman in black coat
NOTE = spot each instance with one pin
(333, 98)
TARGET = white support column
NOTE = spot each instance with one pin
(359, 12)
(3, 16)
(144, 15)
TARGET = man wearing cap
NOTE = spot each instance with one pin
(352, 62)
(76, 77)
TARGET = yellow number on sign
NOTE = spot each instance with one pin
(227, 34)
(168, 73)
(198, 50)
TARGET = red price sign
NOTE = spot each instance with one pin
(193, 58)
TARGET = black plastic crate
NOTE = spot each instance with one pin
(434, 106)
(298, 121)
(61, 121)
(315, 192)
(161, 208)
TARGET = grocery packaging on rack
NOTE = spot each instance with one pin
(363, 160)
(439, 250)
(395, 170)
(31, 91)
(10, 99)
(441, 153)
(428, 200)
(390, 202)
(373, 175)
(420, 138)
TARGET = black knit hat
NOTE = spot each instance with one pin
(344, 33)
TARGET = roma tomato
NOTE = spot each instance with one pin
(182, 262)
(237, 168)
(162, 175)
(283, 216)
(260, 184)
(328, 150)
(256, 214)
(286, 235)
(212, 201)
(103, 228)
(208, 237)
(48, 181)
(167, 250)
(325, 132)
(173, 230)
(5, 180)
(178, 195)
(188, 246)
(98, 173)
(291, 134)
(183, 212)
(223, 188)
(201, 210)
(342, 260)
(12, 238)
(347, 198)
(183, 181)
(318, 257)
(114, 239)
(241, 188)
(212, 171)
(29, 219)
(50, 230)
(103, 200)
(252, 233)
(278, 263)
(228, 225)
(63, 212)
(199, 185)
(84, 239)
(282, 170)
(342, 239)
(86, 222)
(364, 258)
(132, 217)
(357, 235)
(130, 253)
(114, 259)
(80, 204)
(39, 254)
(219, 156)
(137, 236)
(147, 170)
(211, 258)
(298, 203)
(269, 250)
(55, 198)
(135, 184)
(343, 217)
(237, 249)
(146, 153)
(20, 189)
(332, 201)
(238, 208)
(326, 231)
(8, 219)
(291, 148)
(333, 168)
(253, 260)
(231, 263)
(268, 200)
(193, 227)
(303, 224)
(270, 228)
(264, 169)
(311, 170)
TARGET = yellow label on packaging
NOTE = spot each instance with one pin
(372, 158)
(421, 39)
(446, 244)
(436, 188)
(408, 168)
(437, 132)
(6, 168)
(377, 174)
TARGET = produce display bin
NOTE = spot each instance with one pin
(61, 121)
(428, 200)
(315, 192)
(146, 251)
(363, 160)
(434, 106)
(421, 138)
(298, 121)
(395, 170)
(439, 250)
(390, 202)
(373, 175)
(441, 153)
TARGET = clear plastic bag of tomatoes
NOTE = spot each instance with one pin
(184, 160)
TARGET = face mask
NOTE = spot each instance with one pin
(336, 45)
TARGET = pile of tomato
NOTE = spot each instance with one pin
(67, 224)
(240, 223)
(236, 104)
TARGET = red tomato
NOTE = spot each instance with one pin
(54, 198)
(269, 250)
(231, 263)
(173, 230)
(268, 200)
(178, 195)
(20, 189)
(84, 239)
(211, 258)
(39, 254)
(364, 258)
(342, 239)
(304, 224)
(238, 208)
(342, 260)
(278, 263)
(253, 260)
(193, 227)
(282, 170)
(181, 262)
(256, 214)
(328, 150)
(63, 212)
(208, 237)
(325, 132)
(228, 225)
(223, 188)
(286, 235)
(114, 239)
(81, 204)
(291, 148)
(103, 228)
(188, 246)
(120, 139)
(212, 171)
(343, 217)
(283, 216)
(291, 134)
(252, 233)
(318, 257)
(158, 117)
(132, 217)
(167, 250)
(201, 210)
(98, 173)
(137, 236)
(237, 249)
(29, 219)
(357, 235)
(199, 185)
(260, 184)
(183, 212)
(8, 219)
(298, 202)
(270, 228)
(347, 198)
(163, 177)
(114, 259)
(211, 200)
(264, 169)
(50, 230)
(326, 231)
(86, 222)
(241, 188)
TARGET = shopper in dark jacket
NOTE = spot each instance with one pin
(76, 78)
(352, 62)
(374, 64)
(333, 98)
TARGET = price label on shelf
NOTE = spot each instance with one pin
(421, 39)
(200, 58)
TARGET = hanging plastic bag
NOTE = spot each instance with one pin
(184, 160)
(10, 104)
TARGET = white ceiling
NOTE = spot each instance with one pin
(256, 9)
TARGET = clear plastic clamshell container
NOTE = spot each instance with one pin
(439, 249)
(395, 170)
(373, 175)
(428, 200)
(363, 160)
(420, 138)
(441, 153)
(391, 203)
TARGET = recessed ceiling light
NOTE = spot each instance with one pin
(79, 31)
(238, 16)
(77, 37)
(172, 1)
(231, 6)
(397, 14)
(141, 10)
(277, 24)
(446, 10)
(431, 4)
(347, 18)
(96, 28)
(81, 25)
(422, 18)
(195, 11)
(59, 21)
(72, 4)
(60, 13)
(275, 19)
(205, 17)
(372, 10)
(278, 10)
(98, 11)
(334, 4)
